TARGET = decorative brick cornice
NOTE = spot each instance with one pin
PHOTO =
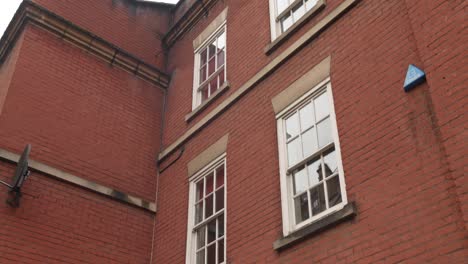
(30, 12)
(187, 21)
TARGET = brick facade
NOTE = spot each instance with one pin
(402, 153)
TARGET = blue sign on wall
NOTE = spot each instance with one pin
(414, 77)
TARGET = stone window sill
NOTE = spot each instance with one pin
(205, 104)
(347, 212)
(287, 34)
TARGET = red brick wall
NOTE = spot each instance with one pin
(90, 119)
(137, 30)
(82, 115)
(439, 29)
(397, 166)
(402, 152)
(60, 223)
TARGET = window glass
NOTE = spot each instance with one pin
(219, 199)
(301, 204)
(321, 107)
(220, 227)
(324, 133)
(211, 231)
(200, 237)
(301, 182)
(219, 176)
(204, 56)
(220, 58)
(213, 85)
(211, 70)
(221, 251)
(317, 198)
(211, 66)
(331, 164)
(201, 257)
(281, 5)
(205, 92)
(221, 41)
(289, 12)
(211, 255)
(209, 183)
(286, 22)
(314, 170)
(208, 206)
(298, 11)
(203, 73)
(221, 78)
(294, 152)
(200, 188)
(199, 212)
(334, 192)
(309, 142)
(313, 178)
(307, 116)
(292, 126)
(212, 50)
(208, 229)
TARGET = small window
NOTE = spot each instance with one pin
(285, 13)
(311, 172)
(207, 216)
(210, 67)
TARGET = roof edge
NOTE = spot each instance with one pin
(30, 12)
(195, 12)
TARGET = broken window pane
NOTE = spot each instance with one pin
(334, 191)
(301, 204)
(317, 199)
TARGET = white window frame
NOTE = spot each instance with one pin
(196, 94)
(191, 235)
(276, 25)
(287, 203)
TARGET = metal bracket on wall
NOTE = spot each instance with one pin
(21, 175)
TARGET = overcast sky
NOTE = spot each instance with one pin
(8, 8)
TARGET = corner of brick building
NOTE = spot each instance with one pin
(97, 121)
(87, 118)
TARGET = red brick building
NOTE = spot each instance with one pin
(273, 131)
